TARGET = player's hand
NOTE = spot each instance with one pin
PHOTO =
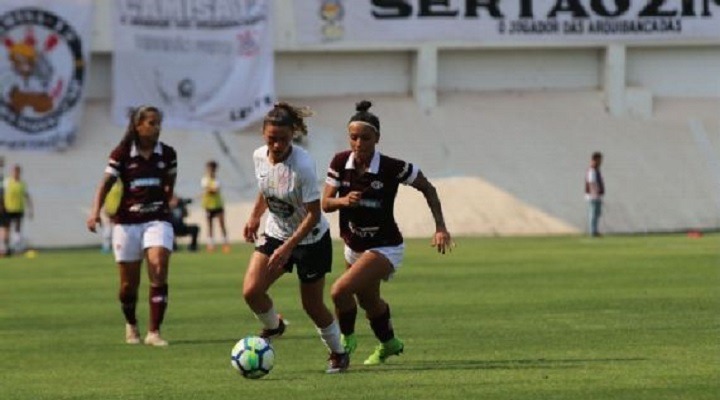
(92, 222)
(353, 198)
(251, 229)
(442, 241)
(280, 257)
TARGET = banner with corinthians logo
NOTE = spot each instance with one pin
(207, 64)
(502, 21)
(43, 68)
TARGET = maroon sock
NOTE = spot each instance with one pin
(158, 304)
(127, 305)
(382, 326)
(346, 319)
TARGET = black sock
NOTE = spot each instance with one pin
(382, 326)
(346, 320)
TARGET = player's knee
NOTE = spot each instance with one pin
(340, 292)
(252, 292)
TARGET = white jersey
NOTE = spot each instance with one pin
(287, 187)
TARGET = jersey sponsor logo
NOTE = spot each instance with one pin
(146, 208)
(364, 231)
(144, 182)
(370, 203)
(377, 185)
(345, 183)
(132, 166)
(280, 208)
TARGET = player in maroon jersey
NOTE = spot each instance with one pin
(147, 169)
(362, 184)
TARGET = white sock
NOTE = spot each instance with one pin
(269, 319)
(107, 237)
(330, 336)
(16, 241)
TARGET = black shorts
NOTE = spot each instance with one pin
(4, 220)
(313, 260)
(214, 212)
(14, 216)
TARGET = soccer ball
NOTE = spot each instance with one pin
(253, 357)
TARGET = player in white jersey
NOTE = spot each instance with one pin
(296, 233)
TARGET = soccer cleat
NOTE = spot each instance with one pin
(226, 249)
(392, 347)
(210, 248)
(271, 334)
(132, 335)
(338, 362)
(349, 342)
(154, 339)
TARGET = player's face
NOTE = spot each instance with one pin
(362, 140)
(148, 128)
(278, 140)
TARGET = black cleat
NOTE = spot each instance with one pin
(271, 334)
(338, 362)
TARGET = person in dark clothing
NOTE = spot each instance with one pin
(178, 213)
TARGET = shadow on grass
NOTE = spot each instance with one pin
(541, 363)
(190, 342)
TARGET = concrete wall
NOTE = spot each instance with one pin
(686, 70)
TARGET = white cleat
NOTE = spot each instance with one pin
(154, 339)
(132, 335)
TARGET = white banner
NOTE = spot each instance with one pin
(207, 64)
(502, 21)
(43, 71)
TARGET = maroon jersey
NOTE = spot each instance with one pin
(372, 222)
(144, 180)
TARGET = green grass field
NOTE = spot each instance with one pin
(511, 318)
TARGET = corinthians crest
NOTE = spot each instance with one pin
(41, 69)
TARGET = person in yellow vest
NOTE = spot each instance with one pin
(4, 222)
(112, 202)
(16, 197)
(212, 202)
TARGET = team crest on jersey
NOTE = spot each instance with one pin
(161, 165)
(279, 207)
(43, 57)
(377, 185)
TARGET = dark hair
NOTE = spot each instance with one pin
(283, 114)
(596, 155)
(135, 116)
(212, 164)
(363, 115)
